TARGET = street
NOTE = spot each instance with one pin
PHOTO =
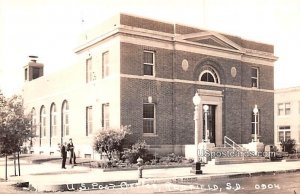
(285, 183)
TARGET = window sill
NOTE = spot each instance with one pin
(149, 75)
(150, 135)
(283, 116)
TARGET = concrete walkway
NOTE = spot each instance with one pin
(50, 177)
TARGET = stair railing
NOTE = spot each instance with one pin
(234, 146)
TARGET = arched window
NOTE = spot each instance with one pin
(209, 75)
(65, 118)
(43, 121)
(53, 120)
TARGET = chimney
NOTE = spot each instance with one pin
(33, 58)
(33, 69)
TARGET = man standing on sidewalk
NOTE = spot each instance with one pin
(72, 153)
(63, 151)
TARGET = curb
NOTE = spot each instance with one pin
(194, 178)
(104, 185)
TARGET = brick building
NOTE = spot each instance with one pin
(144, 73)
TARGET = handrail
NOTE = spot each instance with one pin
(234, 145)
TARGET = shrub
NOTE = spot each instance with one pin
(288, 146)
(164, 160)
(130, 156)
(191, 160)
(110, 140)
(137, 150)
(175, 158)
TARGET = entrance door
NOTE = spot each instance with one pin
(211, 123)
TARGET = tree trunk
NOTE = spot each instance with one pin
(15, 166)
(5, 166)
(19, 163)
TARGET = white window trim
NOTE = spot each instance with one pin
(284, 131)
(214, 75)
(88, 121)
(284, 108)
(104, 119)
(53, 114)
(103, 66)
(90, 74)
(65, 112)
(43, 124)
(34, 121)
(153, 64)
(257, 123)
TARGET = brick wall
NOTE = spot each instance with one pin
(146, 23)
(134, 93)
(174, 113)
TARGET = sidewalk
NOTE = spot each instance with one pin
(50, 177)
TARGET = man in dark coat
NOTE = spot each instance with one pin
(63, 151)
(72, 153)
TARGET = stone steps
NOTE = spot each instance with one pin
(221, 161)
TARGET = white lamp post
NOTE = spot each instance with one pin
(196, 101)
(205, 108)
(196, 168)
(255, 111)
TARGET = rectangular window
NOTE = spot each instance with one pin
(67, 124)
(280, 109)
(105, 115)
(105, 64)
(149, 63)
(89, 70)
(53, 125)
(284, 109)
(284, 133)
(254, 77)
(89, 120)
(148, 118)
(287, 108)
(26, 72)
(44, 126)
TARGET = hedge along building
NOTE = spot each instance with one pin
(144, 73)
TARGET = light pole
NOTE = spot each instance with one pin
(196, 168)
(196, 101)
(205, 108)
(255, 111)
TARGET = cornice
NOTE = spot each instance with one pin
(175, 39)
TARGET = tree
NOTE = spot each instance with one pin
(14, 126)
(111, 140)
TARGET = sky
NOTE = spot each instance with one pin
(50, 29)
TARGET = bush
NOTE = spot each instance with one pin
(164, 160)
(130, 156)
(110, 140)
(137, 150)
(288, 146)
(175, 158)
(191, 160)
